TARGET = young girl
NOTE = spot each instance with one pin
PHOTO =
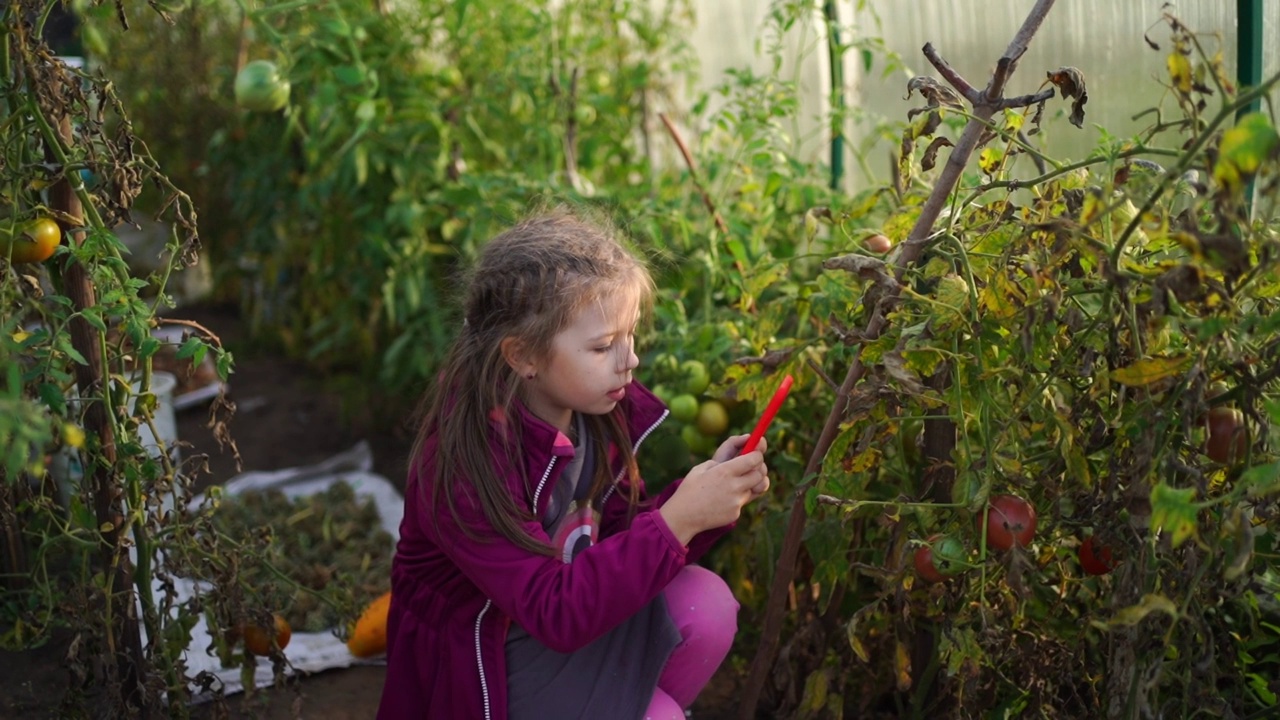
(534, 578)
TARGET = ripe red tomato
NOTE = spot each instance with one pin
(1228, 439)
(1095, 558)
(1010, 521)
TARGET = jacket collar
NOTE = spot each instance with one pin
(641, 408)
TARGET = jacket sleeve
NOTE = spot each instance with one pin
(613, 517)
(564, 605)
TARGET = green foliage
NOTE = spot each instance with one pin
(414, 131)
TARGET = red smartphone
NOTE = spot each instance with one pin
(769, 411)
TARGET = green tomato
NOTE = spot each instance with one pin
(684, 408)
(665, 365)
(260, 87)
(663, 393)
(696, 377)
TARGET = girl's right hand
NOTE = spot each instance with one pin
(714, 492)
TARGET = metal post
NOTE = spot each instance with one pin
(1249, 48)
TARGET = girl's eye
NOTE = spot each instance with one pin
(604, 349)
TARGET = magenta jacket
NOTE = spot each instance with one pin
(454, 597)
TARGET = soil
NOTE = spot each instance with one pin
(286, 417)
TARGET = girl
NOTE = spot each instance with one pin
(533, 577)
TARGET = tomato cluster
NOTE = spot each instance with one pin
(704, 421)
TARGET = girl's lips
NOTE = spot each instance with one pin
(617, 395)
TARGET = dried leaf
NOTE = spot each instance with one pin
(1070, 82)
(897, 368)
(936, 93)
(865, 267)
(930, 158)
(902, 667)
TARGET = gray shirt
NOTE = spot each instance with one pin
(615, 675)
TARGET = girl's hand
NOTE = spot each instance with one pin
(714, 492)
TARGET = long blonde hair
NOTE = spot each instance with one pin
(529, 283)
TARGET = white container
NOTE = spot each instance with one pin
(162, 386)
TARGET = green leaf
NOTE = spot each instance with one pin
(1174, 511)
(1244, 148)
(1150, 603)
(1262, 480)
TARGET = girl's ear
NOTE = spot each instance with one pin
(513, 351)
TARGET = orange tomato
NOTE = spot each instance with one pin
(31, 242)
(258, 640)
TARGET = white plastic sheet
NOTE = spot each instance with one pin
(307, 652)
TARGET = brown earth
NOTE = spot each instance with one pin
(286, 418)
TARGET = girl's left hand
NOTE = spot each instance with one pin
(731, 448)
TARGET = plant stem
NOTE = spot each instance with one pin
(909, 253)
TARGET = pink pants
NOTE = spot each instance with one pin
(705, 611)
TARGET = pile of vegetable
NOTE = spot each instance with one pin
(328, 553)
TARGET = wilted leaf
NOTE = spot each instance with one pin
(937, 94)
(989, 160)
(930, 158)
(1174, 511)
(897, 368)
(1180, 71)
(1070, 82)
(1150, 603)
(865, 267)
(902, 667)
(1151, 370)
(855, 642)
(1003, 298)
(815, 691)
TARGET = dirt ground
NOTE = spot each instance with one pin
(285, 418)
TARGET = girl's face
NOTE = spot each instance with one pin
(590, 363)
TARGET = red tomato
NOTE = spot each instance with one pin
(943, 557)
(1095, 558)
(924, 564)
(1228, 440)
(1010, 521)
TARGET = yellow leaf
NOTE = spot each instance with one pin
(1180, 72)
(1150, 603)
(864, 460)
(902, 667)
(1151, 370)
(1003, 297)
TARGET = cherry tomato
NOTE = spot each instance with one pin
(924, 564)
(941, 558)
(1095, 558)
(1228, 439)
(258, 640)
(1010, 521)
(32, 242)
